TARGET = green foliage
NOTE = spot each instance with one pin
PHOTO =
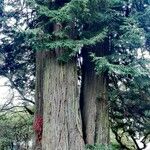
(17, 57)
(100, 147)
(84, 23)
(15, 128)
(72, 20)
(103, 65)
(130, 119)
(59, 15)
(133, 36)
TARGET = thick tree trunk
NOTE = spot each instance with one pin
(38, 99)
(95, 104)
(62, 128)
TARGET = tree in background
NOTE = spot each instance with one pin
(17, 59)
(17, 65)
(130, 120)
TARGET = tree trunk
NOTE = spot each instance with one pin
(62, 126)
(94, 102)
(38, 99)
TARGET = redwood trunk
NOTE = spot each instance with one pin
(62, 128)
(95, 104)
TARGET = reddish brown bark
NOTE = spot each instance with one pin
(95, 103)
(62, 120)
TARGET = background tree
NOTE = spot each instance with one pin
(16, 57)
(17, 66)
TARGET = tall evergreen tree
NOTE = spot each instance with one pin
(112, 32)
(105, 28)
(62, 120)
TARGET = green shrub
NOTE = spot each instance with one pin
(101, 147)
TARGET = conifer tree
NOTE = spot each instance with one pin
(108, 33)
(105, 28)
(62, 120)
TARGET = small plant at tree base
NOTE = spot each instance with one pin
(100, 147)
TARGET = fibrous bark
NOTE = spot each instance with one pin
(94, 103)
(62, 126)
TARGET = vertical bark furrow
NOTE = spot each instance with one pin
(61, 98)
